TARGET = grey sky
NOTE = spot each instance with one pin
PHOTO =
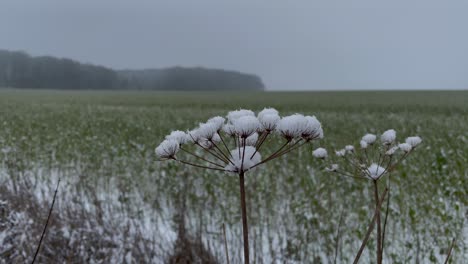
(292, 45)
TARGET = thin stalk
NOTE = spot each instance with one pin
(199, 166)
(279, 150)
(222, 153)
(225, 244)
(379, 225)
(225, 146)
(197, 156)
(370, 228)
(245, 228)
(239, 146)
(47, 223)
(207, 150)
(286, 151)
(396, 163)
(450, 251)
(243, 155)
(386, 216)
(262, 139)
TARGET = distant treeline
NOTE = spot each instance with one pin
(20, 70)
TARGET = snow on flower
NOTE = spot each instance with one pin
(291, 126)
(333, 168)
(405, 147)
(320, 153)
(375, 171)
(229, 130)
(369, 138)
(269, 121)
(349, 148)
(234, 115)
(179, 136)
(167, 149)
(243, 164)
(246, 126)
(194, 135)
(340, 153)
(218, 121)
(208, 130)
(252, 139)
(391, 151)
(363, 144)
(312, 128)
(388, 137)
(413, 141)
(267, 111)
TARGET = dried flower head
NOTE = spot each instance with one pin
(269, 121)
(320, 153)
(349, 148)
(312, 128)
(405, 147)
(340, 153)
(375, 171)
(234, 115)
(217, 121)
(267, 111)
(243, 159)
(292, 126)
(229, 130)
(167, 149)
(391, 151)
(413, 141)
(369, 138)
(252, 139)
(388, 137)
(363, 144)
(179, 136)
(333, 168)
(246, 126)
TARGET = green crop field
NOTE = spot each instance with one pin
(117, 203)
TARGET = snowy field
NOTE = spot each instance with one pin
(117, 204)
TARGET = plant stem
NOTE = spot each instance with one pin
(245, 228)
(225, 146)
(221, 152)
(386, 217)
(199, 157)
(262, 139)
(370, 228)
(379, 226)
(199, 166)
(47, 223)
(450, 251)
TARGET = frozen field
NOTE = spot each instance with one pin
(118, 204)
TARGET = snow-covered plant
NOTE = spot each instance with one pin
(233, 145)
(372, 161)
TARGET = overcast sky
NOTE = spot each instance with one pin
(291, 45)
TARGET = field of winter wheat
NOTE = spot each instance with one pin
(118, 202)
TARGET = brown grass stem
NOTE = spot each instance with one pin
(378, 222)
(450, 251)
(199, 157)
(370, 228)
(245, 228)
(47, 223)
(199, 166)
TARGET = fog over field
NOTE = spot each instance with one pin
(300, 45)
